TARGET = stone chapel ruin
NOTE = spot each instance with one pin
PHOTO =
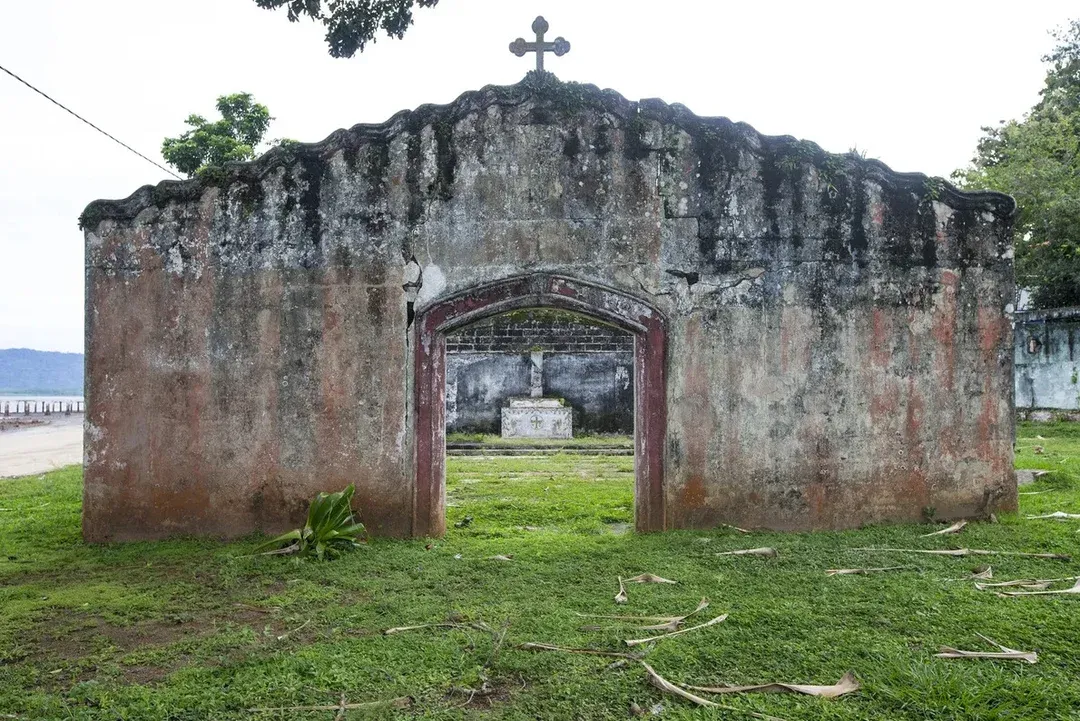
(818, 341)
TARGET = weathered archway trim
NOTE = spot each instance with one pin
(540, 290)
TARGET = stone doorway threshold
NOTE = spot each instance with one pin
(537, 449)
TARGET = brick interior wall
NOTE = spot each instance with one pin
(549, 332)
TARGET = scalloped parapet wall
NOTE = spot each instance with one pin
(559, 97)
(828, 341)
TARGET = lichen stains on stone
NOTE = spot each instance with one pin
(314, 170)
(412, 179)
(445, 161)
(376, 166)
(572, 145)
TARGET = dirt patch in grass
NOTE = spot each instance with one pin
(489, 695)
(146, 675)
(94, 635)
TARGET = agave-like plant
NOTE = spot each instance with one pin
(330, 529)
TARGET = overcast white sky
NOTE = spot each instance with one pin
(909, 82)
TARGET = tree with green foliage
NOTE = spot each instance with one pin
(1037, 161)
(352, 24)
(208, 144)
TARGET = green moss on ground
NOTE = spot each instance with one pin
(193, 629)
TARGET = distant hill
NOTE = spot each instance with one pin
(34, 372)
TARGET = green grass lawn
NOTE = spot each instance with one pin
(198, 630)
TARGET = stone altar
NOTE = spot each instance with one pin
(537, 418)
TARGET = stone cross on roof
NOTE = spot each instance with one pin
(540, 26)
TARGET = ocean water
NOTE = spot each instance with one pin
(40, 398)
(41, 402)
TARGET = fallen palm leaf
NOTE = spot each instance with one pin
(639, 641)
(621, 596)
(1056, 514)
(954, 528)
(1024, 582)
(1032, 493)
(847, 684)
(979, 573)
(293, 548)
(500, 557)
(735, 528)
(1075, 589)
(674, 622)
(1003, 584)
(770, 552)
(1006, 654)
(667, 687)
(648, 578)
(702, 605)
(478, 626)
(862, 571)
(968, 552)
(401, 702)
(285, 635)
(530, 646)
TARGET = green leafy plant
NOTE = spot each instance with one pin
(352, 24)
(1036, 159)
(330, 529)
(208, 145)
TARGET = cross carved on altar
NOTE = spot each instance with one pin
(540, 26)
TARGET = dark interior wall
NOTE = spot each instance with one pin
(598, 385)
(477, 384)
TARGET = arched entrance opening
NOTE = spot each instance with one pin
(541, 290)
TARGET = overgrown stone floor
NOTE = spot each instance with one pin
(194, 629)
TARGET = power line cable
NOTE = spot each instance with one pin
(107, 135)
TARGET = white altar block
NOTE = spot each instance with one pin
(537, 418)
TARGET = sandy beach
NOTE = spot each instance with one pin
(54, 443)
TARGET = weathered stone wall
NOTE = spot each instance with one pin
(1046, 352)
(838, 349)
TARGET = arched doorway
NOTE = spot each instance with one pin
(540, 290)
